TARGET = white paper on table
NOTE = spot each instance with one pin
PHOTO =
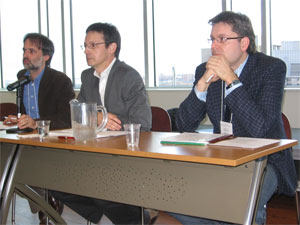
(246, 142)
(110, 133)
(5, 127)
(188, 138)
(69, 133)
(28, 135)
(65, 132)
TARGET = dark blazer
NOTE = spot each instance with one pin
(256, 108)
(55, 92)
(125, 94)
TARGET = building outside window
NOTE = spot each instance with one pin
(181, 31)
(286, 37)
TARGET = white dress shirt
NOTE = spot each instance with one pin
(103, 80)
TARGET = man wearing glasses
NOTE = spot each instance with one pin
(119, 88)
(113, 83)
(241, 92)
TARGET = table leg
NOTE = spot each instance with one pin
(260, 165)
(7, 169)
(7, 182)
(8, 187)
(28, 193)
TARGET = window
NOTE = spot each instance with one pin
(295, 68)
(55, 33)
(13, 30)
(181, 31)
(164, 40)
(285, 37)
(127, 16)
(253, 10)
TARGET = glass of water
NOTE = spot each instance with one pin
(132, 134)
(43, 128)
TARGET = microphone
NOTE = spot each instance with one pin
(24, 80)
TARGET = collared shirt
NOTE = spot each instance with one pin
(103, 80)
(202, 95)
(31, 96)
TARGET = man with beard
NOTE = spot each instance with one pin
(46, 96)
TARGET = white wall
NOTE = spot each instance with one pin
(173, 97)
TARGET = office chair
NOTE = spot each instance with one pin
(287, 126)
(6, 109)
(161, 120)
(172, 112)
(288, 132)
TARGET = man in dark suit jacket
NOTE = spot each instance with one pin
(121, 90)
(55, 92)
(248, 86)
(45, 97)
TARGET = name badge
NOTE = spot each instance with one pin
(226, 128)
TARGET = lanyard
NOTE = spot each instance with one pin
(222, 100)
(223, 107)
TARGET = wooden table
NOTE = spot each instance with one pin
(211, 182)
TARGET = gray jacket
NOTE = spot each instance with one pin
(125, 94)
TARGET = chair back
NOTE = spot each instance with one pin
(288, 133)
(6, 109)
(172, 112)
(160, 120)
(287, 126)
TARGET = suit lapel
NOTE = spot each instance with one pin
(43, 85)
(245, 76)
(110, 80)
(95, 88)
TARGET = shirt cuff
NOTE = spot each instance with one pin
(228, 91)
(200, 95)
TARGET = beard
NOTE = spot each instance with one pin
(29, 65)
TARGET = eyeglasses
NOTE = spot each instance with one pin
(222, 40)
(91, 45)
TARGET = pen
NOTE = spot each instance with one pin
(209, 79)
(222, 138)
(182, 143)
(13, 118)
(66, 137)
(12, 121)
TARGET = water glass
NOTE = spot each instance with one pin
(132, 134)
(43, 127)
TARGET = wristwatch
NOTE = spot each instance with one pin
(235, 82)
